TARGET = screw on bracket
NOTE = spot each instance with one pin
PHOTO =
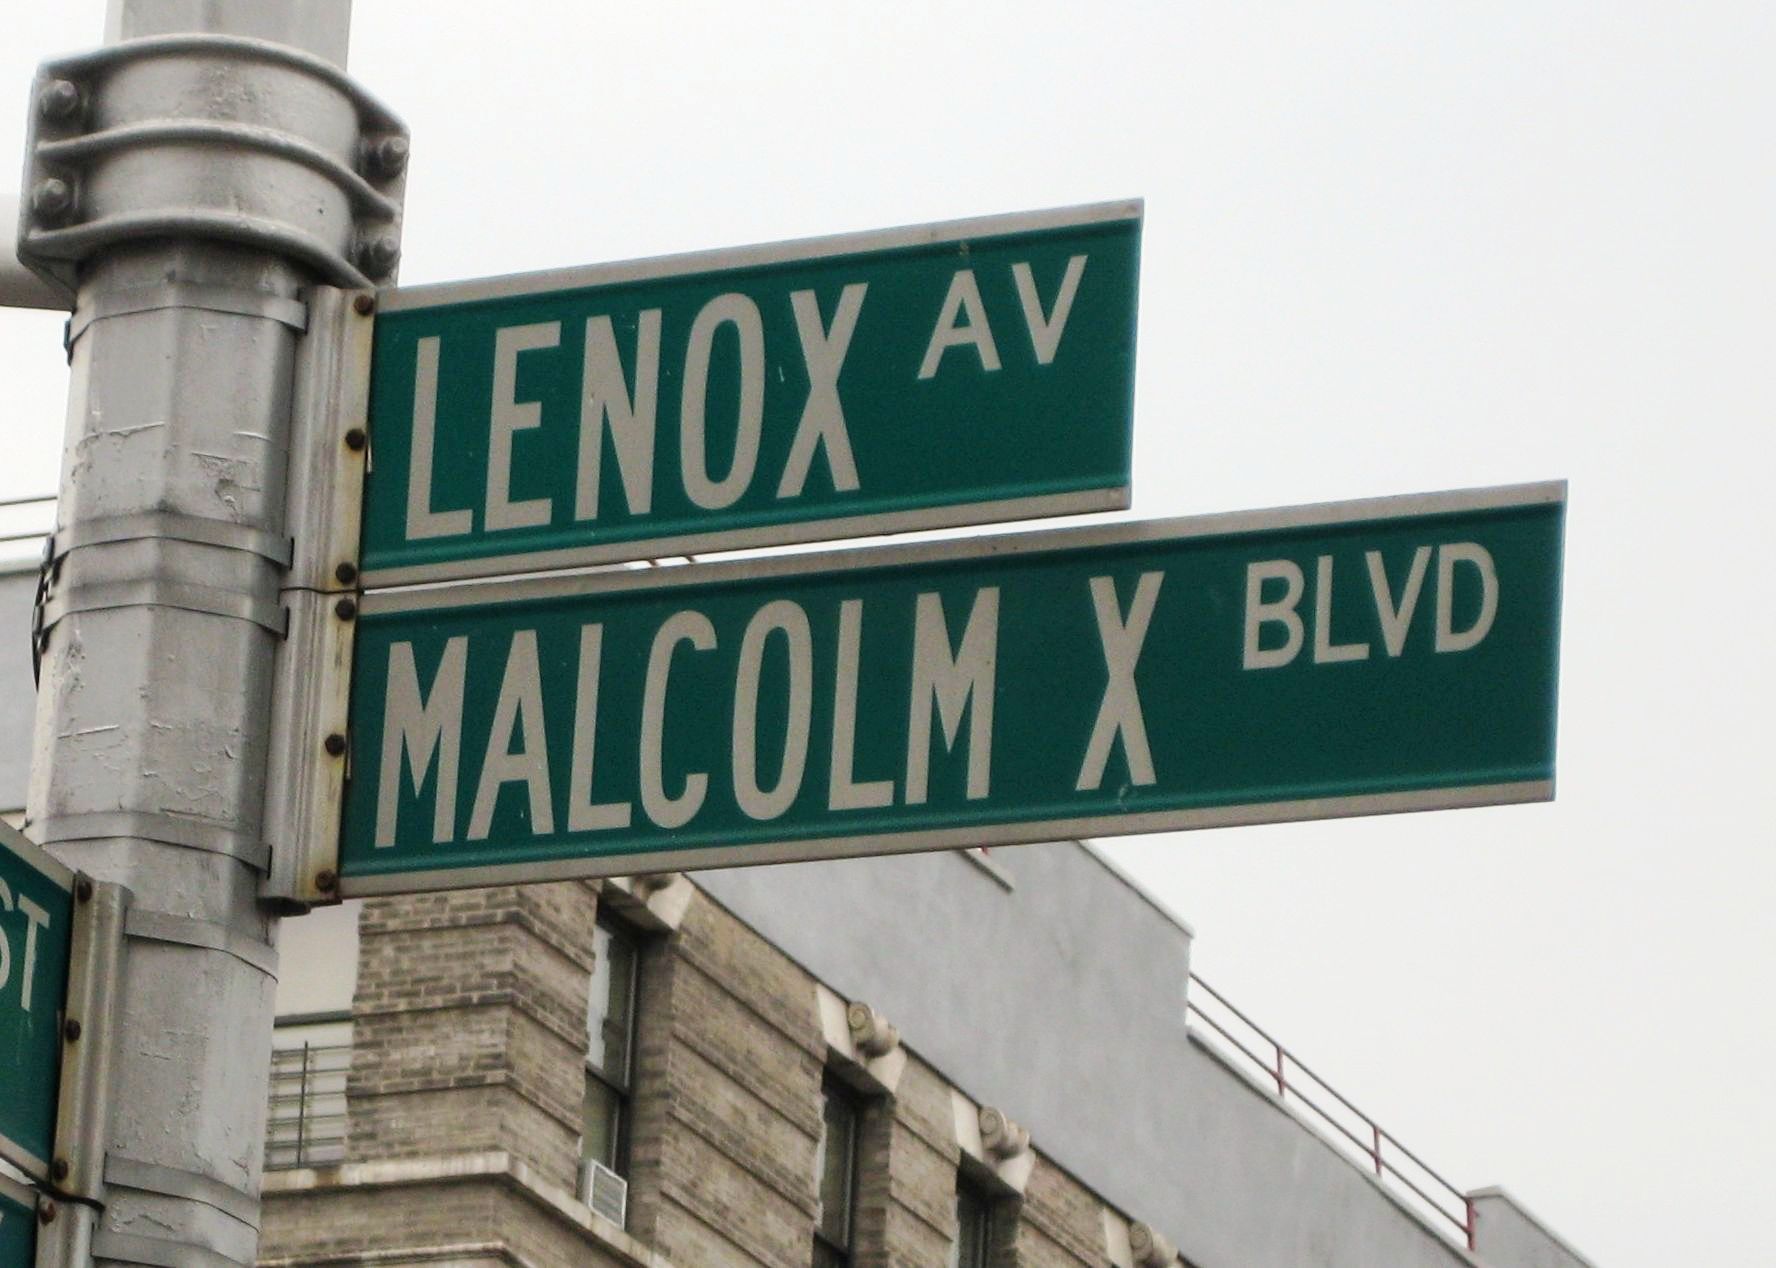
(346, 572)
(379, 254)
(364, 305)
(345, 609)
(46, 1213)
(387, 156)
(326, 881)
(59, 100)
(71, 1029)
(52, 199)
(60, 1169)
(83, 890)
(335, 744)
(355, 438)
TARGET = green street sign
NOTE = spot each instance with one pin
(1351, 658)
(18, 1225)
(36, 935)
(962, 373)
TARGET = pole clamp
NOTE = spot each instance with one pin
(150, 825)
(154, 926)
(161, 525)
(216, 299)
(173, 1182)
(211, 600)
(156, 1252)
(219, 138)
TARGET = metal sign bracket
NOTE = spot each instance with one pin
(311, 688)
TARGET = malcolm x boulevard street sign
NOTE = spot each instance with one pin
(36, 934)
(1351, 658)
(960, 373)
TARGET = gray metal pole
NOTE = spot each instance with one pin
(197, 219)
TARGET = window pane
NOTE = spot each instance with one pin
(610, 1009)
(974, 1227)
(610, 1043)
(834, 1163)
(602, 1138)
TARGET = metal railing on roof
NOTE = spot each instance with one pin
(1357, 1136)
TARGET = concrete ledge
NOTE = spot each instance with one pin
(456, 1254)
(1522, 1257)
(495, 1165)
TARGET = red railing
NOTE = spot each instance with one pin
(1353, 1132)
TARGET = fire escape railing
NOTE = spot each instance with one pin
(305, 1119)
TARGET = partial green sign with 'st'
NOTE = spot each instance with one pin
(36, 934)
(18, 1225)
(1345, 659)
(959, 373)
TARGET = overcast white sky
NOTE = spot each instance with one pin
(1389, 248)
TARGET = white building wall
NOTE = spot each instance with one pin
(1509, 1234)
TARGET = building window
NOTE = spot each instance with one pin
(310, 1058)
(835, 1168)
(974, 1227)
(610, 1048)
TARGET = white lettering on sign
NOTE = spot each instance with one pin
(35, 919)
(1393, 616)
(508, 416)
(1449, 639)
(823, 418)
(625, 406)
(519, 711)
(1396, 619)
(962, 301)
(950, 683)
(606, 398)
(1119, 713)
(1279, 611)
(422, 520)
(420, 729)
(962, 320)
(843, 792)
(738, 311)
(669, 812)
(777, 617)
(1326, 652)
(1045, 332)
(583, 814)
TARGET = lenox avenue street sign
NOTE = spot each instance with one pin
(36, 935)
(18, 1225)
(1351, 658)
(961, 373)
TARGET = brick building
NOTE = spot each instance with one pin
(953, 1059)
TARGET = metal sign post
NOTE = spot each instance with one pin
(187, 185)
(1351, 658)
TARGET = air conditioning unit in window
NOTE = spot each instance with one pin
(606, 1192)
